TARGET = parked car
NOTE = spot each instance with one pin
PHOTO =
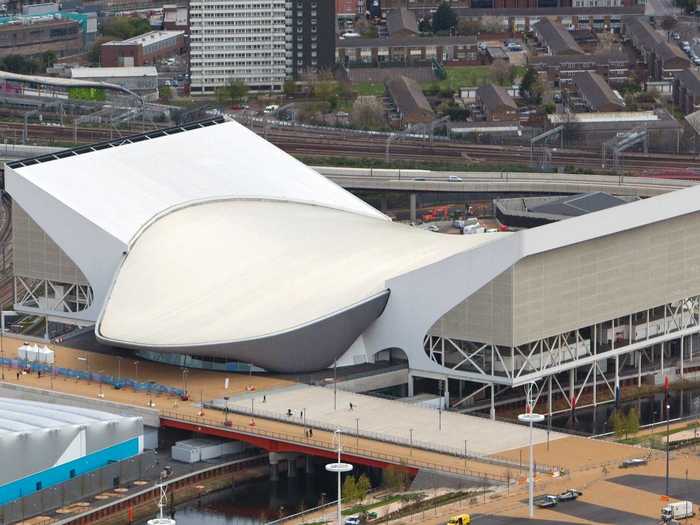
(514, 46)
(546, 501)
(454, 178)
(569, 495)
(634, 462)
(352, 520)
(676, 35)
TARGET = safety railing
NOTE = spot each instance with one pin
(118, 383)
(492, 459)
(348, 448)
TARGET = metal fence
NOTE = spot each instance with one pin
(118, 383)
(79, 488)
(492, 459)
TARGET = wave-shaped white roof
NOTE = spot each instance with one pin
(121, 188)
(18, 415)
(233, 270)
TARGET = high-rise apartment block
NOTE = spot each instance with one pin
(237, 40)
(310, 41)
(261, 42)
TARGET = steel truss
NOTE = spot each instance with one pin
(613, 339)
(47, 296)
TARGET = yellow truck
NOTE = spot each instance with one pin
(462, 519)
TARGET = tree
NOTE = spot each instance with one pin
(349, 491)
(327, 91)
(234, 92)
(367, 113)
(165, 93)
(424, 25)
(362, 487)
(393, 479)
(468, 26)
(531, 89)
(632, 422)
(444, 18)
(617, 423)
(290, 88)
(502, 72)
(18, 64)
(123, 27)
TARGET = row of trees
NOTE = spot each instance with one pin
(356, 489)
(625, 424)
(123, 27)
(26, 65)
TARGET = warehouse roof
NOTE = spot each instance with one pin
(152, 37)
(113, 72)
(18, 415)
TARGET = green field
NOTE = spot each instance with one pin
(457, 77)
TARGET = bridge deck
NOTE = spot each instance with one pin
(569, 452)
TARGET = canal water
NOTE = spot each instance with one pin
(259, 502)
(684, 403)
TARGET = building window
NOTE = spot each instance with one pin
(39, 485)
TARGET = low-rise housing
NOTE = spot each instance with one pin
(662, 58)
(556, 38)
(613, 66)
(686, 91)
(410, 104)
(594, 94)
(142, 50)
(402, 22)
(405, 50)
(496, 104)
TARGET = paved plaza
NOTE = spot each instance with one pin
(389, 420)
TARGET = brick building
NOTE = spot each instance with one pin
(406, 51)
(63, 37)
(663, 60)
(686, 91)
(496, 104)
(143, 50)
(613, 66)
(594, 94)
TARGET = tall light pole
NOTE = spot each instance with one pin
(136, 366)
(530, 417)
(87, 366)
(410, 440)
(668, 430)
(339, 467)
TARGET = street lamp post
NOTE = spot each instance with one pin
(339, 468)
(185, 373)
(410, 440)
(668, 425)
(530, 417)
(87, 366)
(226, 423)
(100, 394)
(136, 366)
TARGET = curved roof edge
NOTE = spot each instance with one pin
(306, 348)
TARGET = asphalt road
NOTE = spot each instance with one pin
(600, 514)
(678, 487)
(507, 520)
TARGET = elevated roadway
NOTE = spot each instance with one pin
(416, 181)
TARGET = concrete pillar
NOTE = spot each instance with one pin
(274, 472)
(383, 202)
(572, 386)
(617, 377)
(447, 393)
(412, 206)
(292, 467)
(410, 385)
(493, 401)
(662, 357)
(308, 465)
(682, 370)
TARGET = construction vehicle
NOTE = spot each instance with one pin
(461, 519)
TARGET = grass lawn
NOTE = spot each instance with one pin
(369, 88)
(359, 508)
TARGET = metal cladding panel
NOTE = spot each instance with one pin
(485, 316)
(605, 278)
(27, 453)
(36, 255)
(103, 434)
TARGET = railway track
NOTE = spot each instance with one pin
(343, 144)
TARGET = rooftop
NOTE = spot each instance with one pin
(690, 79)
(557, 38)
(151, 37)
(406, 41)
(614, 116)
(113, 72)
(17, 415)
(596, 91)
(495, 97)
(408, 96)
(401, 19)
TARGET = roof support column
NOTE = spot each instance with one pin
(572, 388)
(617, 379)
(595, 366)
(662, 358)
(639, 369)
(493, 401)
(682, 338)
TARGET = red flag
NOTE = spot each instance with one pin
(666, 385)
